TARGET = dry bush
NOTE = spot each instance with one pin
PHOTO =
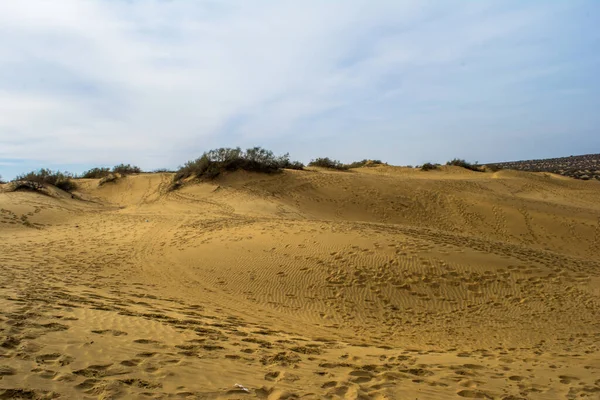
(464, 164)
(326, 162)
(35, 179)
(29, 186)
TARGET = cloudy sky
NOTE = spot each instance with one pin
(156, 82)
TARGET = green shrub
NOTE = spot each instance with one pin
(214, 162)
(95, 173)
(37, 179)
(292, 165)
(429, 167)
(365, 163)
(1, 181)
(464, 164)
(162, 171)
(328, 163)
(124, 169)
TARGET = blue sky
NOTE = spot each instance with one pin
(155, 83)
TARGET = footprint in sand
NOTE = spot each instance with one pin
(474, 394)
(110, 332)
(5, 370)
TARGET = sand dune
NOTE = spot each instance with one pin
(377, 283)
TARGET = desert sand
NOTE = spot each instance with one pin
(376, 283)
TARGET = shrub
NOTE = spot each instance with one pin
(293, 165)
(1, 181)
(429, 167)
(161, 171)
(328, 163)
(37, 179)
(126, 169)
(365, 163)
(214, 162)
(464, 164)
(96, 173)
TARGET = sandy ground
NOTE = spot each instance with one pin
(379, 283)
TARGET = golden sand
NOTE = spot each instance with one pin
(378, 283)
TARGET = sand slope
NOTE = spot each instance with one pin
(378, 283)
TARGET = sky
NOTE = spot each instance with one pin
(86, 83)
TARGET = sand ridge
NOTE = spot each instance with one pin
(380, 282)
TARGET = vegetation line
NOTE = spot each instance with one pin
(215, 162)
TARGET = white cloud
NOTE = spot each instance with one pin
(153, 82)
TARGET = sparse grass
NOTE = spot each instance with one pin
(365, 163)
(464, 164)
(429, 167)
(36, 180)
(126, 169)
(213, 163)
(326, 162)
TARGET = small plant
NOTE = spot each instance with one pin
(429, 167)
(365, 163)
(328, 163)
(37, 179)
(96, 173)
(126, 169)
(464, 164)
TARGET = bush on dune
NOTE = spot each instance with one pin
(95, 173)
(37, 179)
(126, 169)
(429, 167)
(121, 169)
(464, 164)
(1, 181)
(214, 162)
(365, 163)
(326, 162)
